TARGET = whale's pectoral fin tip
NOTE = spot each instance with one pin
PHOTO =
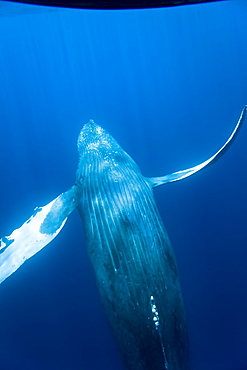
(38, 231)
(156, 181)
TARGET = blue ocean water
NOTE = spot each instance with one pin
(169, 85)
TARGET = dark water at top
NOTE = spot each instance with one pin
(169, 85)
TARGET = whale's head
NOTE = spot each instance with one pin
(94, 138)
(100, 152)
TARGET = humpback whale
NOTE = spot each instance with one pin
(128, 246)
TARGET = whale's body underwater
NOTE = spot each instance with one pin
(128, 246)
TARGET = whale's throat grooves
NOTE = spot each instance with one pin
(132, 259)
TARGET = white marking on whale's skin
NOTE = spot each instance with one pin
(128, 246)
(156, 320)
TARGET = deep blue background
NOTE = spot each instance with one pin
(169, 85)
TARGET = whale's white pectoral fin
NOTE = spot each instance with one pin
(42, 227)
(156, 181)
